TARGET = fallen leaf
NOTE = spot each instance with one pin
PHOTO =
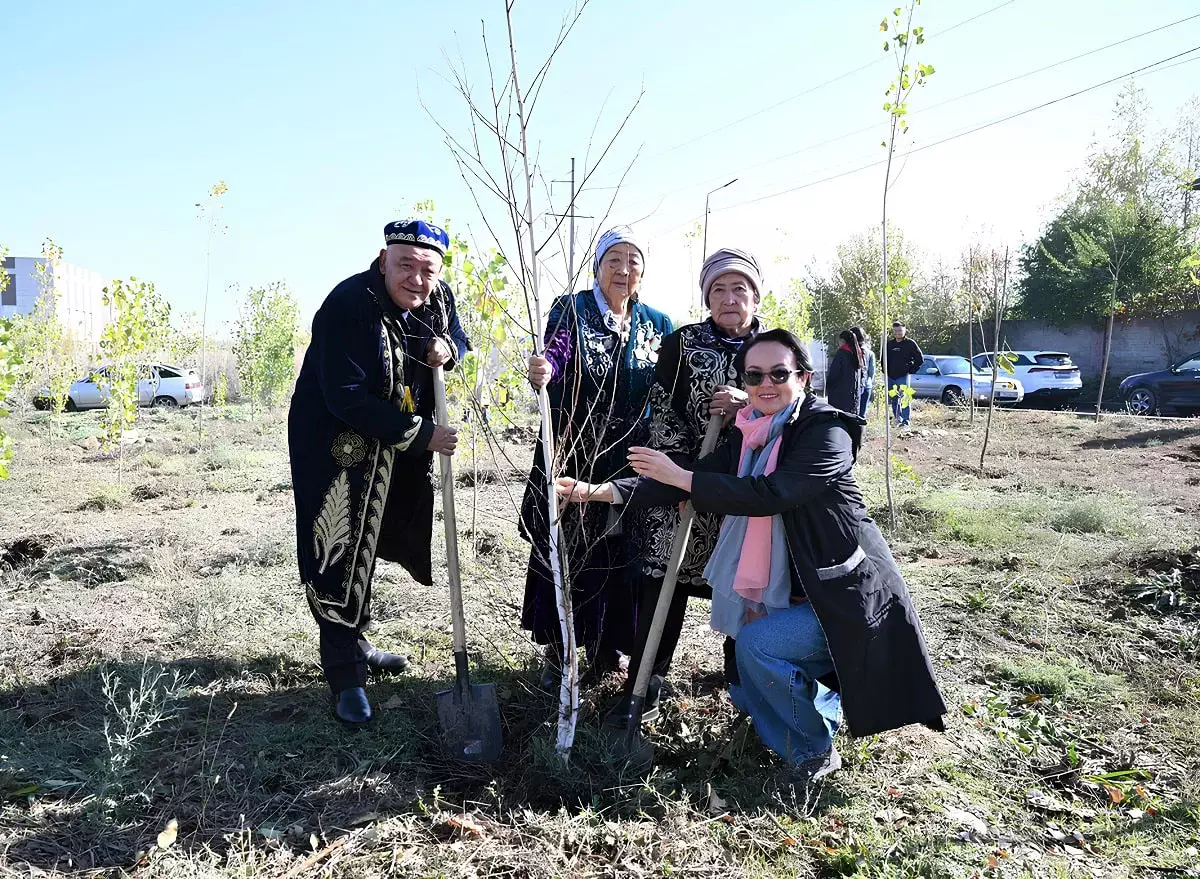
(965, 818)
(394, 702)
(466, 824)
(895, 792)
(169, 834)
(1115, 794)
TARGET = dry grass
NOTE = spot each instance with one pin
(175, 622)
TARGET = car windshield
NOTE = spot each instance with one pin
(1053, 360)
(954, 366)
(1192, 364)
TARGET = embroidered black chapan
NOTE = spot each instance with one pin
(358, 430)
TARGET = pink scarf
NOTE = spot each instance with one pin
(754, 566)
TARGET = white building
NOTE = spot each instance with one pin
(79, 295)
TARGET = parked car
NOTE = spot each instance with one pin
(947, 377)
(159, 385)
(1045, 375)
(1173, 390)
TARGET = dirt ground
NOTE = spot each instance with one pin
(162, 712)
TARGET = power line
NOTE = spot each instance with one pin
(820, 85)
(979, 128)
(864, 129)
(1154, 67)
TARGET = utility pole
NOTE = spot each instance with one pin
(704, 243)
(572, 216)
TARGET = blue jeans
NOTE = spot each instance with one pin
(864, 401)
(779, 659)
(898, 411)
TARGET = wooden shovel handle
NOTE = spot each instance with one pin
(447, 471)
(678, 547)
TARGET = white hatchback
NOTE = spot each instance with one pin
(1045, 375)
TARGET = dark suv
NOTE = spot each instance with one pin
(1167, 392)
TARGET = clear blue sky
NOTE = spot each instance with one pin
(121, 115)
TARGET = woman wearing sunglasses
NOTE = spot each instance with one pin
(801, 575)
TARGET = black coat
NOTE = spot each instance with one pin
(358, 436)
(844, 381)
(881, 665)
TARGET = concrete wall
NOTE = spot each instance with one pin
(1141, 345)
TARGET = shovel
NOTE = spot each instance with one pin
(634, 747)
(468, 714)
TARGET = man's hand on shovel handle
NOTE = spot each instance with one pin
(444, 440)
(438, 353)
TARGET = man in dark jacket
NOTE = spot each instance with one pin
(904, 357)
(361, 439)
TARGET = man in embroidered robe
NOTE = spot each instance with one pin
(361, 437)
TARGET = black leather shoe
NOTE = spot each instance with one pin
(351, 707)
(620, 714)
(380, 660)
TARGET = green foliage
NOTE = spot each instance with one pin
(850, 292)
(903, 35)
(1068, 272)
(140, 325)
(8, 375)
(791, 310)
(265, 337)
(493, 373)
(47, 348)
(1089, 517)
(1118, 243)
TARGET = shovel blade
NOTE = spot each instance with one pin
(470, 723)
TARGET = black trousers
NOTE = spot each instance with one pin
(342, 655)
(648, 590)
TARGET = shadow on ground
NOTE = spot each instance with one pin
(106, 756)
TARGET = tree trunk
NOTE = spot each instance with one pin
(1112, 313)
(887, 415)
(987, 431)
(568, 704)
(971, 340)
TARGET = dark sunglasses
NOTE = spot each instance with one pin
(753, 377)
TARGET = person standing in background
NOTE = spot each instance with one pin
(903, 359)
(869, 384)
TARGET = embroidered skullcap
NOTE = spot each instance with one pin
(729, 259)
(615, 235)
(417, 233)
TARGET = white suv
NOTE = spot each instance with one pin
(1045, 375)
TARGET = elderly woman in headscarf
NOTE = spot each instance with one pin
(694, 379)
(600, 354)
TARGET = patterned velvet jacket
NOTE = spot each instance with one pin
(358, 436)
(598, 399)
(693, 361)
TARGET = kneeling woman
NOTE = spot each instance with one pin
(801, 576)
